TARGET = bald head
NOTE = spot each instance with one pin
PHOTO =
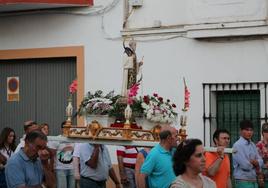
(168, 137)
(166, 131)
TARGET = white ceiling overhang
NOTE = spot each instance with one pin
(27, 5)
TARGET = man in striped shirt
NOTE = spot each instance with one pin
(126, 156)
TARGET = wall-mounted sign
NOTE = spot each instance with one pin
(13, 89)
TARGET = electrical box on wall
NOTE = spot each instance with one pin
(136, 3)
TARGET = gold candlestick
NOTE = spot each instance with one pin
(183, 123)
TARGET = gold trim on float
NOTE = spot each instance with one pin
(95, 131)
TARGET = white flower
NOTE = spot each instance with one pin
(158, 110)
(96, 103)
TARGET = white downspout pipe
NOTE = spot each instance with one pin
(126, 12)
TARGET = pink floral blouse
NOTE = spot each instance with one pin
(263, 151)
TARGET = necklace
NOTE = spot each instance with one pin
(8, 150)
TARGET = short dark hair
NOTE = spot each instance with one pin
(164, 134)
(217, 133)
(183, 153)
(32, 136)
(28, 124)
(63, 123)
(244, 124)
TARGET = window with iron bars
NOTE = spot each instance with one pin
(226, 104)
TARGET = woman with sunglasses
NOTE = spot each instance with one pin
(7, 147)
(188, 163)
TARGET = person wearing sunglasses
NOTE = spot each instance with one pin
(28, 127)
(218, 163)
(29, 167)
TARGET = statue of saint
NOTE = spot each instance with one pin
(131, 67)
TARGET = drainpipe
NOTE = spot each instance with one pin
(126, 12)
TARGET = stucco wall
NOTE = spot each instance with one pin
(166, 59)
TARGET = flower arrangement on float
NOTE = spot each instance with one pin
(158, 110)
(151, 107)
(97, 103)
(118, 110)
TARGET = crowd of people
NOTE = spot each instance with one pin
(37, 162)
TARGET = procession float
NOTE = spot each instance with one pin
(126, 118)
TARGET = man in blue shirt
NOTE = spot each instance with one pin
(29, 166)
(158, 164)
(246, 160)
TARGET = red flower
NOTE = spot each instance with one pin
(155, 95)
(146, 99)
(260, 146)
(160, 99)
(130, 101)
(73, 87)
(173, 105)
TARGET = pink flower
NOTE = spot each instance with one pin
(73, 87)
(130, 101)
(186, 98)
(132, 92)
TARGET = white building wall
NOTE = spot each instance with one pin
(167, 58)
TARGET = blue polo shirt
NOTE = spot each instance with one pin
(158, 167)
(20, 170)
